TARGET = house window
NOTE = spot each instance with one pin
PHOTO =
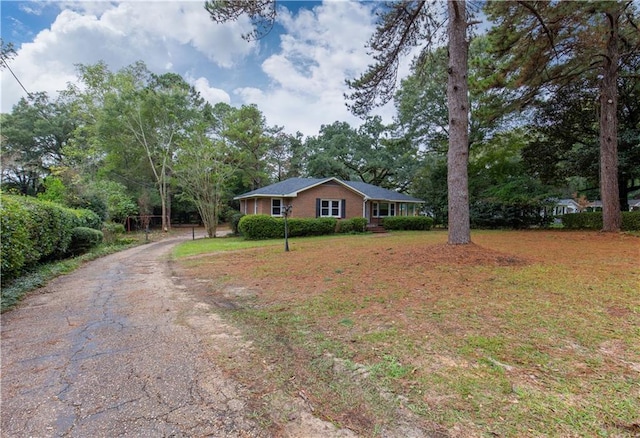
(276, 207)
(384, 209)
(329, 208)
(407, 209)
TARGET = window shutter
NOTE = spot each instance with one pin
(317, 207)
(343, 213)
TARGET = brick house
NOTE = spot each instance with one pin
(328, 197)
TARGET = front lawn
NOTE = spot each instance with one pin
(531, 333)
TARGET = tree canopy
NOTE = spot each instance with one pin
(488, 130)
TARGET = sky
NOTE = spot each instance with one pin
(296, 75)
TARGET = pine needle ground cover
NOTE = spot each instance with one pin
(519, 334)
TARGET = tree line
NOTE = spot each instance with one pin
(533, 120)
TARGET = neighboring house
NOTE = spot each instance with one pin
(594, 206)
(564, 206)
(329, 197)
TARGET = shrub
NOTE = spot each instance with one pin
(16, 246)
(111, 231)
(593, 221)
(631, 220)
(492, 214)
(34, 230)
(407, 223)
(353, 225)
(582, 221)
(87, 218)
(262, 226)
(49, 226)
(234, 220)
(300, 227)
(83, 239)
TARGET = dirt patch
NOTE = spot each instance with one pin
(455, 255)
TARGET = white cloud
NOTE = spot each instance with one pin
(300, 86)
(174, 35)
(210, 94)
(318, 52)
(33, 8)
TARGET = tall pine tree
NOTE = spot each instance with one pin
(546, 45)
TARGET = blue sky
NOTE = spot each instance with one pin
(296, 75)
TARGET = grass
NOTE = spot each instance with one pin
(200, 246)
(521, 334)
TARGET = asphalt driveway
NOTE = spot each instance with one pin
(119, 348)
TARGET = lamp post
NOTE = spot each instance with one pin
(286, 211)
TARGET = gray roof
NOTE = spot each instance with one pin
(289, 188)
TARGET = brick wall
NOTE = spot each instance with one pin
(305, 204)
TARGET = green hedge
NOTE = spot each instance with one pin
(631, 220)
(34, 230)
(407, 223)
(262, 226)
(87, 218)
(259, 226)
(301, 227)
(17, 246)
(353, 225)
(593, 221)
(83, 239)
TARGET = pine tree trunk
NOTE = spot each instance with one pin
(458, 105)
(611, 215)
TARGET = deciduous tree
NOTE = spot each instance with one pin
(202, 168)
(33, 137)
(372, 153)
(152, 113)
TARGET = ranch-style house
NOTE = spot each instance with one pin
(329, 197)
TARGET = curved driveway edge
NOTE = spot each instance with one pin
(101, 352)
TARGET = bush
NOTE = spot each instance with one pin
(300, 227)
(259, 226)
(17, 248)
(262, 226)
(353, 225)
(49, 226)
(407, 223)
(234, 220)
(631, 220)
(87, 218)
(111, 231)
(83, 239)
(582, 221)
(34, 231)
(593, 221)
